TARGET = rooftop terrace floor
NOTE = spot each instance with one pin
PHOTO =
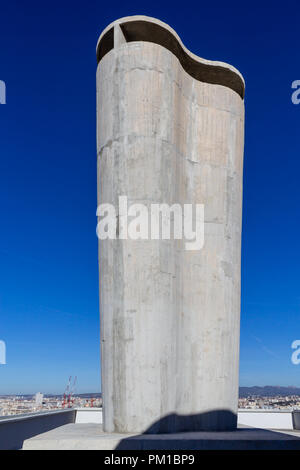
(91, 437)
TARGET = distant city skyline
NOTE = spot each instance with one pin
(49, 305)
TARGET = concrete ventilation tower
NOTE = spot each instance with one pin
(170, 130)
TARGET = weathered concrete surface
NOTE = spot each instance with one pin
(91, 437)
(169, 317)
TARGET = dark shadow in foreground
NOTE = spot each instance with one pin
(213, 430)
(216, 420)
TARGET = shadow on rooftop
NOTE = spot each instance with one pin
(212, 430)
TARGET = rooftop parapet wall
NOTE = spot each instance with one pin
(146, 29)
(14, 430)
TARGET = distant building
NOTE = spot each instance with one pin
(39, 399)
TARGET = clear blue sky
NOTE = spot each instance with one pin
(48, 246)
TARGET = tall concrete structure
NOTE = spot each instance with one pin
(170, 130)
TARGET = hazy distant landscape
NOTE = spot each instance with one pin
(266, 391)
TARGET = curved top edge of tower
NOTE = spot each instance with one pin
(147, 29)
